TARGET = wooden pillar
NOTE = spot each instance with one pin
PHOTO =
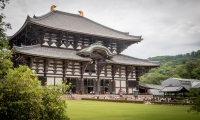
(44, 80)
(30, 62)
(64, 70)
(113, 85)
(113, 77)
(137, 77)
(98, 80)
(86, 90)
(77, 86)
(127, 74)
(82, 86)
(98, 85)
(110, 86)
(81, 90)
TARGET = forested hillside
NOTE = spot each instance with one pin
(180, 66)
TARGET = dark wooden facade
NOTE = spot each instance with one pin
(94, 71)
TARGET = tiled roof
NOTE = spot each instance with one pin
(196, 82)
(75, 23)
(196, 86)
(151, 86)
(158, 87)
(154, 92)
(152, 89)
(144, 85)
(173, 89)
(180, 79)
(37, 50)
(128, 60)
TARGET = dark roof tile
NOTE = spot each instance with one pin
(124, 59)
(37, 50)
(75, 23)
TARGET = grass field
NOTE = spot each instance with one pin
(96, 110)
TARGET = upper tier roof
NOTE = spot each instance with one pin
(78, 24)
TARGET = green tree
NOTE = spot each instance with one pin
(196, 73)
(196, 107)
(189, 66)
(198, 54)
(179, 66)
(182, 72)
(176, 76)
(153, 78)
(5, 57)
(5, 53)
(22, 97)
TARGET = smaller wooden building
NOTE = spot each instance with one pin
(174, 91)
(187, 83)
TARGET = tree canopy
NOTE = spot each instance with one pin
(180, 66)
(22, 97)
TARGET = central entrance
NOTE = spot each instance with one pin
(105, 86)
(89, 85)
(90, 90)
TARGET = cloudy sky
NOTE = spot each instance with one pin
(168, 27)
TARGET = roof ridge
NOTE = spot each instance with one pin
(126, 33)
(35, 18)
(184, 79)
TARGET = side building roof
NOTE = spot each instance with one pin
(196, 83)
(37, 50)
(193, 82)
(181, 79)
(151, 86)
(174, 89)
(78, 24)
(197, 86)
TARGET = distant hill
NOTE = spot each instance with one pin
(179, 66)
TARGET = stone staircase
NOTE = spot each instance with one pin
(109, 96)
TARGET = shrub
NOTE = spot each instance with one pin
(22, 97)
(196, 107)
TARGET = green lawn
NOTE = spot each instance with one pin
(96, 110)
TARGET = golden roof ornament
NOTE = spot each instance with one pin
(53, 8)
(81, 13)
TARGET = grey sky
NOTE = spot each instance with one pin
(168, 27)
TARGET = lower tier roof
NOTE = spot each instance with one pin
(38, 50)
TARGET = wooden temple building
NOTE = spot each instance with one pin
(63, 46)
